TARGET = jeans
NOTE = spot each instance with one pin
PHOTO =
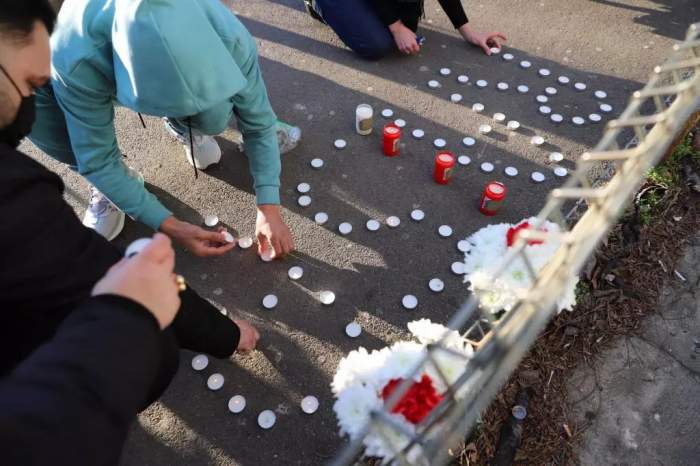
(357, 24)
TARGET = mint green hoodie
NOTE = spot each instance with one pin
(166, 58)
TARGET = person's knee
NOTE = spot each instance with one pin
(375, 48)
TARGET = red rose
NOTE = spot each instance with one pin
(418, 401)
(511, 236)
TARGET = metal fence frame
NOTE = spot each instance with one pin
(673, 94)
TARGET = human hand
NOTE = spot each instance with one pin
(249, 336)
(146, 278)
(272, 232)
(405, 38)
(201, 242)
(485, 40)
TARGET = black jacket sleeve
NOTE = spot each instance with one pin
(455, 12)
(72, 401)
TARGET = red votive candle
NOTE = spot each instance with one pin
(392, 136)
(444, 165)
(492, 198)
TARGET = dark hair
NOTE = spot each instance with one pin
(17, 17)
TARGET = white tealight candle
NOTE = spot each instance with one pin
(508, 56)
(545, 110)
(543, 99)
(537, 140)
(458, 268)
(468, 141)
(445, 231)
(561, 171)
(487, 167)
(513, 125)
(595, 118)
(393, 221)
(245, 242)
(304, 201)
(606, 108)
(511, 171)
(463, 245)
(556, 157)
(353, 330)
(439, 143)
(600, 94)
(445, 71)
(495, 50)
(478, 107)
(211, 220)
(523, 89)
(556, 118)
(433, 84)
(345, 228)
(200, 362)
(400, 122)
(580, 87)
(409, 302)
(418, 133)
(215, 382)
(266, 255)
(236, 404)
(309, 404)
(326, 297)
(502, 86)
(563, 80)
(295, 273)
(464, 160)
(550, 90)
(317, 163)
(499, 117)
(387, 113)
(463, 79)
(525, 64)
(456, 98)
(269, 301)
(266, 419)
(373, 225)
(485, 129)
(482, 83)
(228, 237)
(417, 215)
(537, 177)
(436, 285)
(544, 72)
(340, 143)
(578, 121)
(321, 218)
(303, 188)
(136, 247)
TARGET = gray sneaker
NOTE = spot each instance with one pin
(288, 137)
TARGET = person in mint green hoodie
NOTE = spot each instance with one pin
(190, 62)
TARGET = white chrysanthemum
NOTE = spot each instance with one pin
(387, 443)
(353, 406)
(427, 332)
(487, 255)
(404, 357)
(359, 367)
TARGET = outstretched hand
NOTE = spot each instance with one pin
(272, 233)
(485, 40)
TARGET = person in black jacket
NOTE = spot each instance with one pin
(374, 28)
(72, 401)
(49, 261)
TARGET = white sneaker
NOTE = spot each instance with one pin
(103, 216)
(206, 150)
(288, 137)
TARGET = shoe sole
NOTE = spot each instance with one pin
(175, 135)
(118, 229)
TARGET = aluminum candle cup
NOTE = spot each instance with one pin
(364, 119)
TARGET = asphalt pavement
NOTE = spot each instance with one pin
(315, 83)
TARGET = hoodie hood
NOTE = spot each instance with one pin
(172, 61)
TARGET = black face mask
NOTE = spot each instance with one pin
(13, 133)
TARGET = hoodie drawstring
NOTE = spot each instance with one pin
(143, 123)
(194, 164)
